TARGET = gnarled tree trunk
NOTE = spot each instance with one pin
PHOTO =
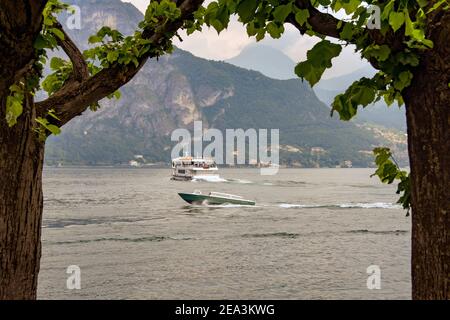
(21, 151)
(428, 117)
(21, 202)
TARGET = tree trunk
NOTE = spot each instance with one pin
(21, 203)
(428, 118)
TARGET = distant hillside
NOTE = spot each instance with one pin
(181, 88)
(275, 64)
(269, 61)
(343, 82)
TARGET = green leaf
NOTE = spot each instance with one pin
(422, 3)
(274, 30)
(409, 27)
(13, 110)
(388, 171)
(347, 32)
(57, 33)
(40, 42)
(396, 20)
(95, 39)
(302, 16)
(344, 107)
(217, 25)
(135, 61)
(403, 80)
(112, 56)
(281, 12)
(52, 114)
(318, 59)
(350, 5)
(50, 127)
(246, 10)
(361, 92)
(307, 71)
(251, 29)
(54, 129)
(387, 10)
(14, 104)
(364, 96)
(411, 59)
(56, 63)
(381, 53)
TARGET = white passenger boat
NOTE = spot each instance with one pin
(190, 168)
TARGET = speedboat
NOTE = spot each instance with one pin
(214, 198)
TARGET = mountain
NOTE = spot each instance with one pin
(180, 88)
(341, 83)
(280, 66)
(269, 61)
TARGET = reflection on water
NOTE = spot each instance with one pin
(311, 235)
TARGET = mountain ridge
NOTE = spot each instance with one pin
(282, 67)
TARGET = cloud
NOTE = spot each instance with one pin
(230, 42)
(210, 45)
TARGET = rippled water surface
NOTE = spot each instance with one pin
(312, 235)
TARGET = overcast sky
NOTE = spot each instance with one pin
(208, 44)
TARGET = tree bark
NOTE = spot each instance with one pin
(21, 204)
(20, 23)
(428, 118)
(21, 151)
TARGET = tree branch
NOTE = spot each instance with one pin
(80, 68)
(320, 22)
(73, 99)
(326, 24)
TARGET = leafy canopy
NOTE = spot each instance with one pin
(402, 20)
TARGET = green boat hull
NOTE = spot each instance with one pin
(211, 200)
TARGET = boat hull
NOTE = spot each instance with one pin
(179, 178)
(212, 178)
(211, 200)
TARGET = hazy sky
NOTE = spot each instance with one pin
(230, 42)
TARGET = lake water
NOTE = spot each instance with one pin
(312, 235)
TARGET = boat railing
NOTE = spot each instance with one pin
(227, 195)
(194, 162)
